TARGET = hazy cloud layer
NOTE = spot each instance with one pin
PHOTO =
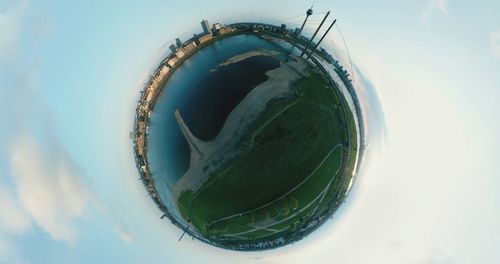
(10, 24)
(123, 232)
(495, 44)
(13, 220)
(435, 5)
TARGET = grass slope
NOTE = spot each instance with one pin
(287, 176)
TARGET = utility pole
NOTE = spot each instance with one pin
(324, 35)
(185, 230)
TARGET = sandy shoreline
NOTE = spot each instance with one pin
(247, 55)
(225, 145)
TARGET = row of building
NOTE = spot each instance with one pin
(258, 27)
(294, 34)
(180, 48)
(179, 51)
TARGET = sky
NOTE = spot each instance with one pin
(70, 76)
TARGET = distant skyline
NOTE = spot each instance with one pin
(71, 72)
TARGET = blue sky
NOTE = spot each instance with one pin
(70, 74)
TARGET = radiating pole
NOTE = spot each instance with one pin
(185, 230)
(309, 43)
(319, 42)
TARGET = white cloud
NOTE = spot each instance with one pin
(49, 187)
(8, 251)
(13, 220)
(123, 233)
(51, 190)
(495, 44)
(10, 26)
(437, 257)
(435, 5)
(118, 222)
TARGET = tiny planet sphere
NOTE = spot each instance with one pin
(249, 145)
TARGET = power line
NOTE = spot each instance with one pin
(348, 54)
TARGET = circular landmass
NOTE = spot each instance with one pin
(249, 146)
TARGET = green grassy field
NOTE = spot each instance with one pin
(292, 171)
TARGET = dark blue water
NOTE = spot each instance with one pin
(220, 91)
(205, 95)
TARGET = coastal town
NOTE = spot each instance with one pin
(182, 50)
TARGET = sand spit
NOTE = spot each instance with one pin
(247, 55)
(207, 157)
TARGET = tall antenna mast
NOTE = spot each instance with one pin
(309, 12)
